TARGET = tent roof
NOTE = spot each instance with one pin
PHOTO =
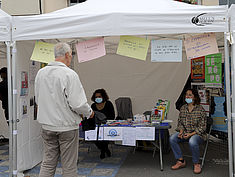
(123, 17)
(5, 21)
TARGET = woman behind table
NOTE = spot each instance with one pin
(191, 128)
(103, 105)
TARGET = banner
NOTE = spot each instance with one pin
(166, 51)
(134, 47)
(198, 69)
(43, 52)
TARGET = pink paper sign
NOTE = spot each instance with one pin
(91, 49)
(200, 45)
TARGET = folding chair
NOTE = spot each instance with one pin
(208, 131)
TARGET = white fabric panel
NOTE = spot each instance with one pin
(29, 142)
(5, 21)
(111, 17)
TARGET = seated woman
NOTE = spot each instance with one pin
(191, 128)
(103, 105)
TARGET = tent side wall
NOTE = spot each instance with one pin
(29, 142)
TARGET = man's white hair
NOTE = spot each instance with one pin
(61, 49)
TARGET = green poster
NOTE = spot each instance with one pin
(213, 70)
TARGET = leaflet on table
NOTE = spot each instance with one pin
(91, 135)
(113, 133)
(145, 133)
(128, 138)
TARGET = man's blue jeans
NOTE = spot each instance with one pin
(194, 142)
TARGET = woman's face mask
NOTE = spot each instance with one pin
(98, 100)
(188, 100)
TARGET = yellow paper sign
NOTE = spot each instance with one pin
(134, 47)
(43, 52)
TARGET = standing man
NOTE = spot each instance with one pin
(4, 91)
(61, 100)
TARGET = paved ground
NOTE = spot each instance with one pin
(142, 164)
(124, 163)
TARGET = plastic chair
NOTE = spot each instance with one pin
(124, 108)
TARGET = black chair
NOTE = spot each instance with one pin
(124, 108)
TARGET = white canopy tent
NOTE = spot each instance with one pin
(111, 18)
(124, 17)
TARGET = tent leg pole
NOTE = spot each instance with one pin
(14, 109)
(10, 127)
(228, 103)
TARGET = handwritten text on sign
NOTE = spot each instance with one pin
(43, 52)
(134, 47)
(91, 49)
(166, 51)
(201, 45)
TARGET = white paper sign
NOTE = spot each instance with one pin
(166, 51)
(128, 136)
(91, 135)
(200, 45)
(145, 133)
(113, 133)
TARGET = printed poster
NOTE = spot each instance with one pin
(200, 45)
(24, 84)
(33, 69)
(91, 49)
(166, 51)
(24, 108)
(134, 47)
(198, 69)
(213, 70)
(43, 52)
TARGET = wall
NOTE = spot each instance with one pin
(52, 5)
(30, 7)
(22, 7)
(210, 2)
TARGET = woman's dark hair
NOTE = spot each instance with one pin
(197, 99)
(103, 94)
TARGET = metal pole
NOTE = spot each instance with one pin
(14, 84)
(9, 83)
(228, 102)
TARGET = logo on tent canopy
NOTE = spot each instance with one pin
(202, 20)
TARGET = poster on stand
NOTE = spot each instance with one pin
(198, 69)
(213, 70)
